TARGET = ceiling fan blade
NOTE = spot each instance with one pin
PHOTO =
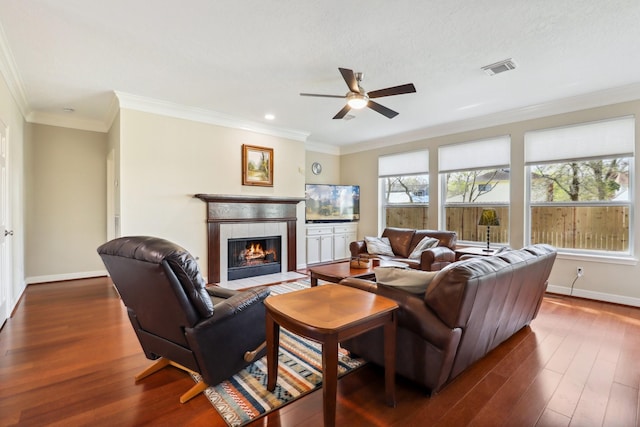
(321, 95)
(396, 90)
(387, 112)
(343, 112)
(350, 79)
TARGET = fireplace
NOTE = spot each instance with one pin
(249, 257)
(230, 217)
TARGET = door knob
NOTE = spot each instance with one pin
(8, 233)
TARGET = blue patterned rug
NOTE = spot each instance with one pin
(244, 397)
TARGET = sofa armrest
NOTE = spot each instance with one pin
(436, 258)
(413, 315)
(358, 247)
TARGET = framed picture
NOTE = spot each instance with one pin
(257, 166)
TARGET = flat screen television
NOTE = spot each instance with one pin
(332, 203)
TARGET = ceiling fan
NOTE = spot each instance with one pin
(358, 98)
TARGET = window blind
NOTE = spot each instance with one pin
(411, 163)
(481, 154)
(609, 138)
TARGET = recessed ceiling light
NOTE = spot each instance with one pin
(269, 116)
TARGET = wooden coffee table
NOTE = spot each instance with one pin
(335, 272)
(329, 315)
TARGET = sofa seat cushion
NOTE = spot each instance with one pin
(413, 263)
(378, 246)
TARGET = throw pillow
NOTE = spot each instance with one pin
(406, 279)
(378, 246)
(426, 243)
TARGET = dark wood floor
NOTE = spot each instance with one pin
(69, 354)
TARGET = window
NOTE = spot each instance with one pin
(579, 185)
(475, 175)
(404, 189)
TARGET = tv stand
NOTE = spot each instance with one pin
(327, 242)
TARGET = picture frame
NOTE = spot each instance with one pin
(257, 166)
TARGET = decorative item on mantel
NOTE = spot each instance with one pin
(489, 217)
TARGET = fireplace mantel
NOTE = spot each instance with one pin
(223, 208)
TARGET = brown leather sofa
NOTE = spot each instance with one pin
(404, 240)
(468, 309)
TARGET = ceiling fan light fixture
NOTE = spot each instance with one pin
(357, 100)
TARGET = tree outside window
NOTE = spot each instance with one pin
(581, 204)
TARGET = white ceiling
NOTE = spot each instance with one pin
(244, 58)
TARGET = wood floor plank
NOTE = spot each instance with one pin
(68, 356)
(622, 406)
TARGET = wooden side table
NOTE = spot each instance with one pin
(329, 315)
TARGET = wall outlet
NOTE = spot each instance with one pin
(579, 271)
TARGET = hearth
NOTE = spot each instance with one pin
(257, 256)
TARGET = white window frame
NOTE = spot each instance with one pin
(601, 139)
(410, 163)
(482, 154)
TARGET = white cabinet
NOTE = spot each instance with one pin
(329, 242)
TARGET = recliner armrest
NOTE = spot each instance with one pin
(239, 302)
(220, 292)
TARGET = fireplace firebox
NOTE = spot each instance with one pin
(249, 257)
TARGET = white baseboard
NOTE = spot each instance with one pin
(598, 296)
(67, 276)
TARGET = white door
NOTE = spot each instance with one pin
(5, 234)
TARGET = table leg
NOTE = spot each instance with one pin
(314, 280)
(329, 379)
(273, 343)
(390, 360)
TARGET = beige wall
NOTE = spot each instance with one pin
(164, 161)
(609, 279)
(330, 168)
(66, 202)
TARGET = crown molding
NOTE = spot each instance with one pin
(11, 76)
(164, 108)
(67, 121)
(601, 98)
(319, 147)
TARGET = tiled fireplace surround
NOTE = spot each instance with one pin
(248, 216)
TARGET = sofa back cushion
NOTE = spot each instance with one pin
(448, 239)
(400, 239)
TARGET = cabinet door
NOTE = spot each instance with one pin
(326, 248)
(313, 249)
(340, 246)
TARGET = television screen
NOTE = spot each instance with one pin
(332, 203)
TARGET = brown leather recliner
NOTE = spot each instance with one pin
(174, 316)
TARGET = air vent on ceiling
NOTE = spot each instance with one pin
(499, 67)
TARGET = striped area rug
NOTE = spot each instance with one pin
(244, 397)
